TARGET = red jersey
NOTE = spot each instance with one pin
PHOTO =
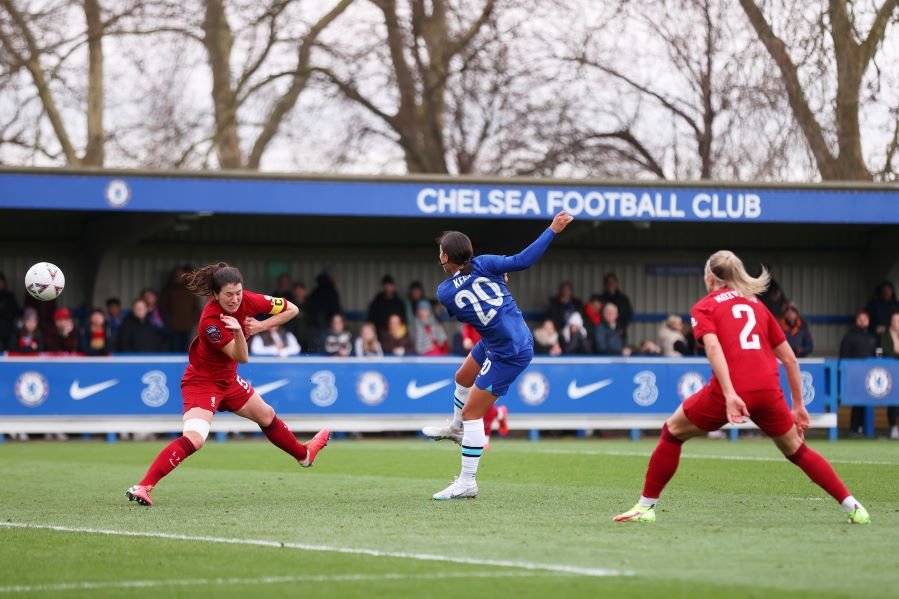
(747, 332)
(207, 360)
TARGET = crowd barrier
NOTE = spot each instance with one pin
(140, 394)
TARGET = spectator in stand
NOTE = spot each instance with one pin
(470, 337)
(9, 309)
(774, 299)
(609, 338)
(45, 312)
(299, 325)
(321, 306)
(648, 348)
(337, 341)
(546, 339)
(562, 305)
(154, 314)
(28, 339)
(64, 338)
(796, 331)
(396, 341)
(592, 316)
(889, 341)
(429, 337)
(275, 341)
(95, 339)
(114, 316)
(672, 341)
(138, 335)
(881, 307)
(414, 294)
(574, 336)
(859, 342)
(367, 344)
(688, 347)
(385, 303)
(284, 288)
(612, 295)
(181, 308)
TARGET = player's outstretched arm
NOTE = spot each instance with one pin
(236, 349)
(529, 256)
(736, 407)
(785, 354)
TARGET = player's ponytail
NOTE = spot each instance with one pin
(727, 268)
(458, 249)
(211, 278)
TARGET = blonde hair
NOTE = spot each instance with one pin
(728, 269)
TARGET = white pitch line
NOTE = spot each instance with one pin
(143, 584)
(428, 557)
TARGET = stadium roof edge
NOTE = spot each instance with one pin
(442, 178)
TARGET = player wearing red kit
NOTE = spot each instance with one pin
(743, 343)
(211, 382)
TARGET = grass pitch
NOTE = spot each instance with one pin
(240, 518)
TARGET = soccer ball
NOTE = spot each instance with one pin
(45, 281)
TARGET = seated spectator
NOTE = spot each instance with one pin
(609, 338)
(28, 339)
(414, 294)
(337, 341)
(395, 341)
(859, 342)
(470, 337)
(671, 336)
(64, 339)
(95, 340)
(881, 307)
(429, 335)
(276, 341)
(648, 348)
(546, 339)
(612, 294)
(367, 344)
(138, 335)
(574, 336)
(154, 313)
(796, 331)
(9, 308)
(385, 303)
(774, 299)
(593, 311)
(889, 341)
(114, 316)
(562, 305)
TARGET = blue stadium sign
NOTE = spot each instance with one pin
(444, 197)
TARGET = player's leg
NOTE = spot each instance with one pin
(892, 413)
(772, 416)
(666, 457)
(489, 417)
(465, 378)
(280, 435)
(195, 430)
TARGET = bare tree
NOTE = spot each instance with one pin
(834, 139)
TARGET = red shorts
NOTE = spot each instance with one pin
(767, 408)
(213, 396)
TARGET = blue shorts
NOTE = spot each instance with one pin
(498, 374)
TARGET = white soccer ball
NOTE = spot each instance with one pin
(45, 281)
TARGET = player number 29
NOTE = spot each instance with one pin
(747, 341)
(481, 295)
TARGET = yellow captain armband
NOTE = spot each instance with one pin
(278, 305)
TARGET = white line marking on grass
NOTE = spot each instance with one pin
(143, 584)
(427, 557)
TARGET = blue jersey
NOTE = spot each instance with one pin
(482, 299)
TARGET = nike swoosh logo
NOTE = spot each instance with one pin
(575, 392)
(78, 392)
(416, 392)
(263, 389)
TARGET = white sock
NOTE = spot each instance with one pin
(648, 501)
(849, 504)
(461, 396)
(473, 441)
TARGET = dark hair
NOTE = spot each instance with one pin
(211, 278)
(113, 300)
(458, 250)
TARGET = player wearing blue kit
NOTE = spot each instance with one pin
(476, 294)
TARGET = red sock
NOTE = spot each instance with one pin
(281, 436)
(820, 471)
(168, 459)
(662, 464)
(489, 417)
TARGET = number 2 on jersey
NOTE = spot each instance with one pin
(480, 295)
(747, 341)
